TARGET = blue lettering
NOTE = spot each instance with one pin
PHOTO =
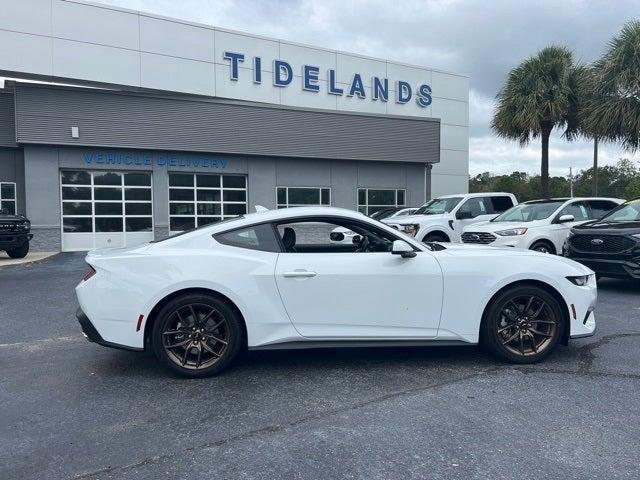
(333, 87)
(235, 58)
(310, 78)
(380, 89)
(357, 87)
(281, 67)
(257, 70)
(403, 92)
(88, 158)
(99, 158)
(424, 96)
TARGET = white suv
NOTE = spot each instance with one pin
(541, 225)
(443, 219)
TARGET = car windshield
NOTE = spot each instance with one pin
(384, 213)
(629, 212)
(528, 212)
(438, 205)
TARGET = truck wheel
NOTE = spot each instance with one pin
(435, 237)
(19, 252)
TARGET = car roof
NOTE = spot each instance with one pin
(566, 199)
(476, 194)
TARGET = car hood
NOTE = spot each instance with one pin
(597, 227)
(409, 219)
(486, 251)
(12, 218)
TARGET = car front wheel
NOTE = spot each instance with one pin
(197, 335)
(19, 252)
(522, 325)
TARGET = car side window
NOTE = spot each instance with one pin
(255, 237)
(501, 203)
(339, 236)
(475, 206)
(579, 211)
(600, 207)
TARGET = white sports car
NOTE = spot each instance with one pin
(199, 298)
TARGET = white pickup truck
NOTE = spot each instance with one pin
(443, 219)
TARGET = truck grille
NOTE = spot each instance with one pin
(601, 243)
(8, 226)
(483, 238)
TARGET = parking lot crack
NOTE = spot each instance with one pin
(271, 429)
(587, 352)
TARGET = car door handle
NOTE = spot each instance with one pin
(299, 274)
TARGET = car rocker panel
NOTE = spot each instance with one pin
(198, 298)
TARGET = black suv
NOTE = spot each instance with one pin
(609, 246)
(14, 234)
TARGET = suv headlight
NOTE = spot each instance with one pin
(581, 280)
(26, 225)
(410, 230)
(512, 231)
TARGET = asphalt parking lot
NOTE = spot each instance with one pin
(72, 409)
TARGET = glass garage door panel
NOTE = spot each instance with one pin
(198, 199)
(105, 209)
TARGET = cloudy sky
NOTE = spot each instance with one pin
(482, 39)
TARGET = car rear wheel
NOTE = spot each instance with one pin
(197, 335)
(19, 252)
(522, 325)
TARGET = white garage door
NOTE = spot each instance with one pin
(105, 209)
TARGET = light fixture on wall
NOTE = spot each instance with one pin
(75, 132)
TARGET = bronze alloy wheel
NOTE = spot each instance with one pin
(522, 324)
(526, 325)
(196, 336)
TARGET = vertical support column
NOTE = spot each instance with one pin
(160, 202)
(427, 182)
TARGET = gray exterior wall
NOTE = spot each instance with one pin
(7, 120)
(43, 163)
(45, 115)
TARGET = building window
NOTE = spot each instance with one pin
(96, 201)
(199, 199)
(8, 198)
(370, 200)
(302, 196)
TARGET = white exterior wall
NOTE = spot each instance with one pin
(69, 39)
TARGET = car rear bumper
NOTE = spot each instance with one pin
(91, 334)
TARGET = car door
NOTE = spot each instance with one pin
(339, 293)
(560, 230)
(472, 210)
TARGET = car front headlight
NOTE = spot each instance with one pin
(582, 280)
(512, 232)
(410, 230)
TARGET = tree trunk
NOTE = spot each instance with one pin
(594, 186)
(544, 164)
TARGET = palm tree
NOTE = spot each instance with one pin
(613, 111)
(588, 92)
(540, 94)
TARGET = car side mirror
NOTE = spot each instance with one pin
(464, 215)
(402, 248)
(336, 236)
(566, 218)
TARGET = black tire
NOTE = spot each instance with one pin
(435, 237)
(543, 246)
(178, 310)
(19, 252)
(495, 327)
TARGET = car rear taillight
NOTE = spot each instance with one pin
(89, 273)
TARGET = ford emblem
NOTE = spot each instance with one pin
(597, 241)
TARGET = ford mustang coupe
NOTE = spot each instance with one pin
(274, 279)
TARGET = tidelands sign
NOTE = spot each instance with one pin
(310, 77)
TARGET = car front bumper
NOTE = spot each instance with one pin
(11, 240)
(91, 334)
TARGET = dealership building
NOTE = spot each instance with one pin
(138, 126)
